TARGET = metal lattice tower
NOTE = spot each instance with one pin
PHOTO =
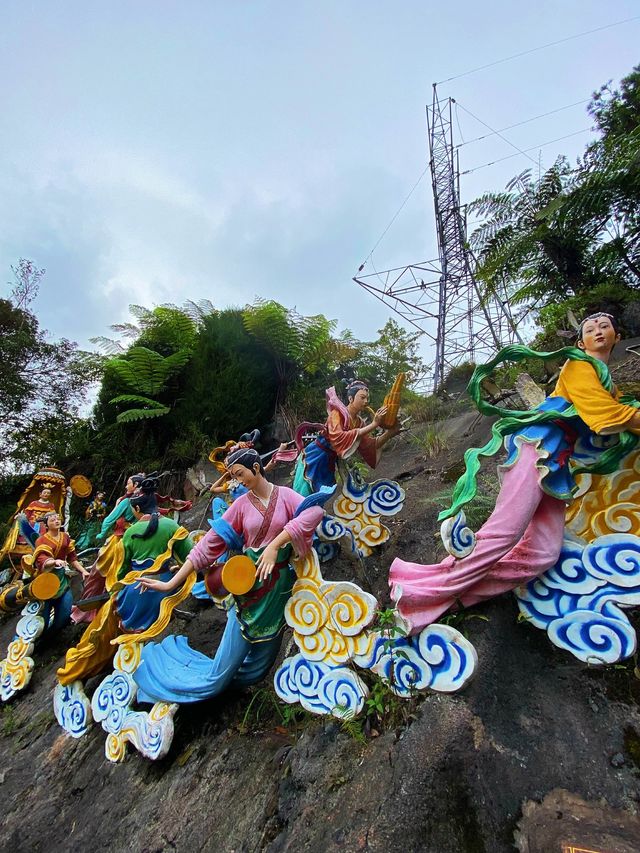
(441, 297)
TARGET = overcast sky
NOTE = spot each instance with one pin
(164, 150)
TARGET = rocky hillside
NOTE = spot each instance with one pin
(538, 751)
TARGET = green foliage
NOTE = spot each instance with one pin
(480, 508)
(556, 240)
(431, 441)
(300, 347)
(43, 384)
(146, 371)
(434, 407)
(164, 329)
(231, 384)
(10, 721)
(265, 709)
(460, 620)
(380, 361)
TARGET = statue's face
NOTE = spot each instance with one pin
(53, 523)
(248, 477)
(598, 336)
(360, 400)
(45, 495)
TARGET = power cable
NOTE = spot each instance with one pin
(520, 123)
(496, 133)
(540, 47)
(394, 217)
(533, 148)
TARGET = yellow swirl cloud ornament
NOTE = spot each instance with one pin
(607, 504)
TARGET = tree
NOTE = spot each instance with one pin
(146, 373)
(299, 346)
(607, 186)
(573, 235)
(43, 384)
(395, 351)
(530, 244)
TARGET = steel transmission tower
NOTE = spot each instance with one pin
(441, 297)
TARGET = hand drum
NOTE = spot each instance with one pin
(236, 576)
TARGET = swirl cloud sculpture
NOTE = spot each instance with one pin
(358, 511)
(320, 688)
(438, 658)
(331, 624)
(151, 733)
(578, 601)
(17, 667)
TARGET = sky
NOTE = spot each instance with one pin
(162, 150)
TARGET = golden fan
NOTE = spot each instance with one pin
(80, 486)
(392, 402)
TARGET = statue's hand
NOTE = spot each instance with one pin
(153, 583)
(379, 415)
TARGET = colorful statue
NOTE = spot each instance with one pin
(583, 427)
(266, 523)
(344, 434)
(332, 622)
(43, 505)
(358, 509)
(45, 493)
(131, 616)
(93, 514)
(50, 601)
(121, 516)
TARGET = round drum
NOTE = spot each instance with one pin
(45, 586)
(238, 574)
(80, 486)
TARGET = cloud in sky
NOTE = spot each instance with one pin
(161, 152)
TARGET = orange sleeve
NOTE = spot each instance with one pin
(579, 384)
(344, 441)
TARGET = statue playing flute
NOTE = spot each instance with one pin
(359, 507)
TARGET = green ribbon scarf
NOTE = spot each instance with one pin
(513, 421)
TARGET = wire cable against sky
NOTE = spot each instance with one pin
(395, 216)
(520, 123)
(497, 133)
(533, 148)
(540, 47)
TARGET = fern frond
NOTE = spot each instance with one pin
(141, 414)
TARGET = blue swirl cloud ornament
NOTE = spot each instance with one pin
(457, 537)
(111, 700)
(72, 708)
(578, 601)
(320, 688)
(439, 658)
(614, 559)
(385, 497)
(452, 658)
(593, 637)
